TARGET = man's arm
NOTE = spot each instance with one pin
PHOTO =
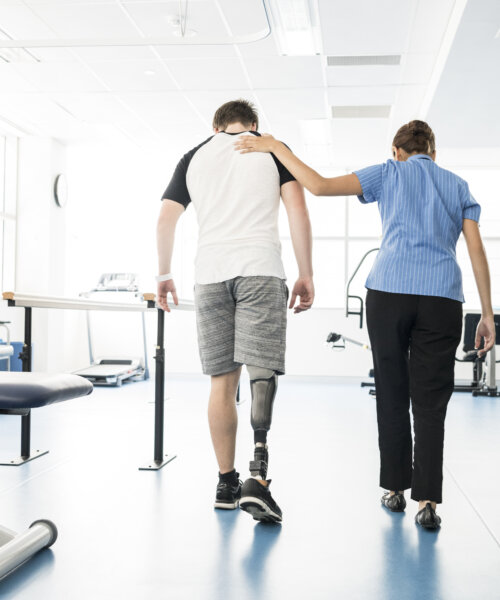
(165, 235)
(486, 326)
(292, 194)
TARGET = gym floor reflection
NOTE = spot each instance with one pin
(130, 534)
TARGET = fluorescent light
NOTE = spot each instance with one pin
(296, 26)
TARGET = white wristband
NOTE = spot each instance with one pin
(165, 277)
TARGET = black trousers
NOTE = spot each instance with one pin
(414, 340)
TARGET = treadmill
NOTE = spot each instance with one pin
(113, 371)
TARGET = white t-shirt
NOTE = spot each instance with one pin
(236, 198)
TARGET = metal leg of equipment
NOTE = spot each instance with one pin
(160, 459)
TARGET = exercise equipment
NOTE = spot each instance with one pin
(263, 386)
(114, 370)
(147, 304)
(484, 368)
(338, 341)
(21, 392)
(348, 296)
(17, 548)
(6, 350)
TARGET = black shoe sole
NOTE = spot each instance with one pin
(259, 510)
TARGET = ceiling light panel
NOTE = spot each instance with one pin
(295, 24)
(358, 61)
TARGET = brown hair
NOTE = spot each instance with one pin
(235, 111)
(415, 137)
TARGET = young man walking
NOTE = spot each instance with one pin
(240, 292)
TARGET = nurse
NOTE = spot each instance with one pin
(414, 301)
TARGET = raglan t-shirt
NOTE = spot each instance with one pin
(236, 198)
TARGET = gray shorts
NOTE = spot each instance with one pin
(241, 321)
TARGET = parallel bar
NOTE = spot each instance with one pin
(26, 360)
(160, 387)
(35, 301)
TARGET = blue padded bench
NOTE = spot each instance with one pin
(20, 392)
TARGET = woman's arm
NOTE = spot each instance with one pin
(486, 326)
(345, 185)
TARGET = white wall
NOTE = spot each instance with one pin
(41, 245)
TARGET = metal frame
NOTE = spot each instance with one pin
(348, 296)
(29, 301)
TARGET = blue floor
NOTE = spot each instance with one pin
(130, 534)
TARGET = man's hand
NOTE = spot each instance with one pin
(485, 329)
(304, 289)
(165, 287)
(255, 143)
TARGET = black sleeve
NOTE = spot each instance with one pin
(285, 175)
(177, 188)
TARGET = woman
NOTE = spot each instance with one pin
(414, 301)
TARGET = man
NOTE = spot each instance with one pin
(240, 292)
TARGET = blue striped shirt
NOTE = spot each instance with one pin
(422, 208)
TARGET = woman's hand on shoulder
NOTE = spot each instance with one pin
(255, 143)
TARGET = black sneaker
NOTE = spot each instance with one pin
(256, 499)
(395, 503)
(227, 494)
(428, 518)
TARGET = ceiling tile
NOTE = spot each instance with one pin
(359, 76)
(20, 23)
(133, 75)
(292, 104)
(196, 52)
(86, 21)
(364, 27)
(429, 25)
(59, 77)
(12, 81)
(160, 108)
(285, 72)
(359, 95)
(223, 74)
(114, 53)
(156, 19)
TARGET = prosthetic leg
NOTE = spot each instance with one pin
(256, 498)
(263, 385)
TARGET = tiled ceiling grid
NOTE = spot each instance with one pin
(150, 94)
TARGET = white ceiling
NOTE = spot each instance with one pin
(166, 94)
